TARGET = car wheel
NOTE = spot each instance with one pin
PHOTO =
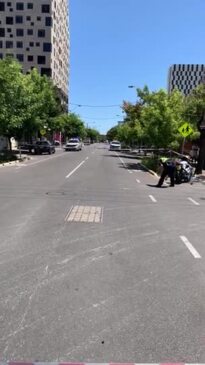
(49, 152)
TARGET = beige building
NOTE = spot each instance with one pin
(36, 32)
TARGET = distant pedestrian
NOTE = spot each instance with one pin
(169, 168)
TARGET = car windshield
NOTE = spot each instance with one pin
(102, 226)
(73, 140)
(115, 142)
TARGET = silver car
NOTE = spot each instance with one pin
(115, 146)
(74, 144)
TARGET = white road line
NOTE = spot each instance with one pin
(152, 198)
(193, 201)
(124, 164)
(86, 158)
(75, 169)
(190, 247)
(138, 181)
(130, 171)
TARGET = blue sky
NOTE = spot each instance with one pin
(116, 43)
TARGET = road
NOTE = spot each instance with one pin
(98, 265)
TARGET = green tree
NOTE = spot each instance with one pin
(195, 115)
(44, 103)
(74, 126)
(93, 134)
(14, 99)
(161, 116)
(112, 133)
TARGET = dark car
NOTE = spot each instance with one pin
(43, 147)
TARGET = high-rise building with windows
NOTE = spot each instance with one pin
(36, 32)
(185, 77)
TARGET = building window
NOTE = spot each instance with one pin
(46, 71)
(32, 24)
(8, 4)
(20, 57)
(30, 6)
(2, 6)
(28, 18)
(1, 44)
(19, 44)
(9, 20)
(38, 18)
(19, 6)
(37, 44)
(30, 31)
(9, 30)
(28, 49)
(9, 55)
(11, 9)
(30, 58)
(19, 32)
(41, 60)
(48, 21)
(2, 32)
(1, 56)
(31, 44)
(9, 44)
(19, 19)
(41, 33)
(45, 8)
(47, 47)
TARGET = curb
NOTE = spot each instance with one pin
(12, 163)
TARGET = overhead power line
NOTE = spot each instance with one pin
(96, 106)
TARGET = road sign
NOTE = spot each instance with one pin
(43, 132)
(185, 130)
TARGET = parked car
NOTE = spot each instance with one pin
(115, 146)
(42, 147)
(74, 144)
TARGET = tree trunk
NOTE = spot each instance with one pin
(9, 142)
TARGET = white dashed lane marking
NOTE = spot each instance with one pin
(190, 247)
(138, 181)
(152, 199)
(193, 201)
(75, 169)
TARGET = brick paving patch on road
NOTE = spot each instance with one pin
(85, 214)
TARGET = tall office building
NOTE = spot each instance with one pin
(185, 77)
(36, 32)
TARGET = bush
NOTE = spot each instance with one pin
(7, 157)
(152, 163)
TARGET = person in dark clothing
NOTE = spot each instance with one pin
(169, 167)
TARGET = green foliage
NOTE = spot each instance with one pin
(14, 98)
(74, 126)
(156, 116)
(93, 134)
(112, 133)
(27, 102)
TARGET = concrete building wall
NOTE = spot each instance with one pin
(185, 77)
(36, 32)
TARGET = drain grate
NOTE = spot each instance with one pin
(85, 214)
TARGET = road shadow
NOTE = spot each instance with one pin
(132, 166)
(155, 186)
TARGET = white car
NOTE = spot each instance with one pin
(115, 146)
(74, 144)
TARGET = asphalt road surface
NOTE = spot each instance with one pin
(98, 265)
